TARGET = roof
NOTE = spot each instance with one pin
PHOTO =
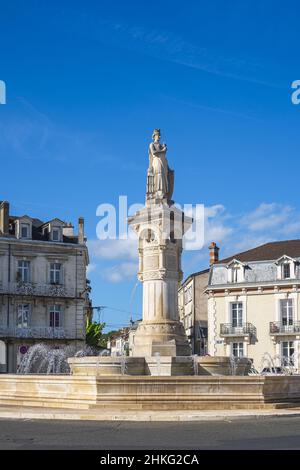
(37, 230)
(199, 273)
(268, 251)
(54, 220)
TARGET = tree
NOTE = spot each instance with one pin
(93, 334)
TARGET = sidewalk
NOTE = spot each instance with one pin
(13, 412)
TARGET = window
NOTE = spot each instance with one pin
(287, 351)
(23, 272)
(56, 234)
(235, 274)
(188, 294)
(237, 349)
(23, 316)
(236, 271)
(286, 271)
(25, 230)
(286, 312)
(237, 314)
(286, 267)
(55, 316)
(55, 273)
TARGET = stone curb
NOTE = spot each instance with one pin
(143, 416)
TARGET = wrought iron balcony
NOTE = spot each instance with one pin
(245, 329)
(39, 290)
(36, 332)
(278, 328)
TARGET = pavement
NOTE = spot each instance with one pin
(271, 432)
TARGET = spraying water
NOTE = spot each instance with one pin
(44, 359)
(158, 364)
(233, 364)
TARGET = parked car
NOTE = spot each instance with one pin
(274, 371)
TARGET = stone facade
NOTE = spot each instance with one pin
(43, 287)
(254, 305)
(192, 301)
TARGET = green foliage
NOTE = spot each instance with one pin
(93, 334)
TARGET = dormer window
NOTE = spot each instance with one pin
(25, 230)
(285, 268)
(286, 271)
(23, 227)
(53, 230)
(236, 271)
(56, 234)
(235, 274)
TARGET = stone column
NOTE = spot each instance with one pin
(160, 228)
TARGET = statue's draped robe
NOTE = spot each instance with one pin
(160, 170)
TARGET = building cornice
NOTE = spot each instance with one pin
(254, 285)
(47, 243)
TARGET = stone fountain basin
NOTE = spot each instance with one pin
(107, 365)
(221, 365)
(149, 392)
(128, 365)
(156, 365)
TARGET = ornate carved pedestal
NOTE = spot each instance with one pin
(160, 227)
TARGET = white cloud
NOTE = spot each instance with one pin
(91, 267)
(120, 272)
(113, 249)
(235, 233)
(213, 211)
(217, 232)
(246, 242)
(232, 232)
(291, 229)
(267, 216)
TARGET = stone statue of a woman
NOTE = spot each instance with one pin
(160, 177)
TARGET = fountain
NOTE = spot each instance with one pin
(158, 369)
(161, 374)
(233, 364)
(123, 365)
(42, 359)
(267, 362)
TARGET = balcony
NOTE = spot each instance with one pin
(278, 328)
(39, 290)
(36, 332)
(245, 329)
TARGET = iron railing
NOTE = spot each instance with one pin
(39, 290)
(36, 332)
(279, 328)
(245, 329)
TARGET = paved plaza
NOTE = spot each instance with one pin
(255, 433)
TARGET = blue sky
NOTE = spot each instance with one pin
(88, 81)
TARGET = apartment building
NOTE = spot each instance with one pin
(43, 287)
(253, 304)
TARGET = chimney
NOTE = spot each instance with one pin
(4, 217)
(213, 253)
(81, 230)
